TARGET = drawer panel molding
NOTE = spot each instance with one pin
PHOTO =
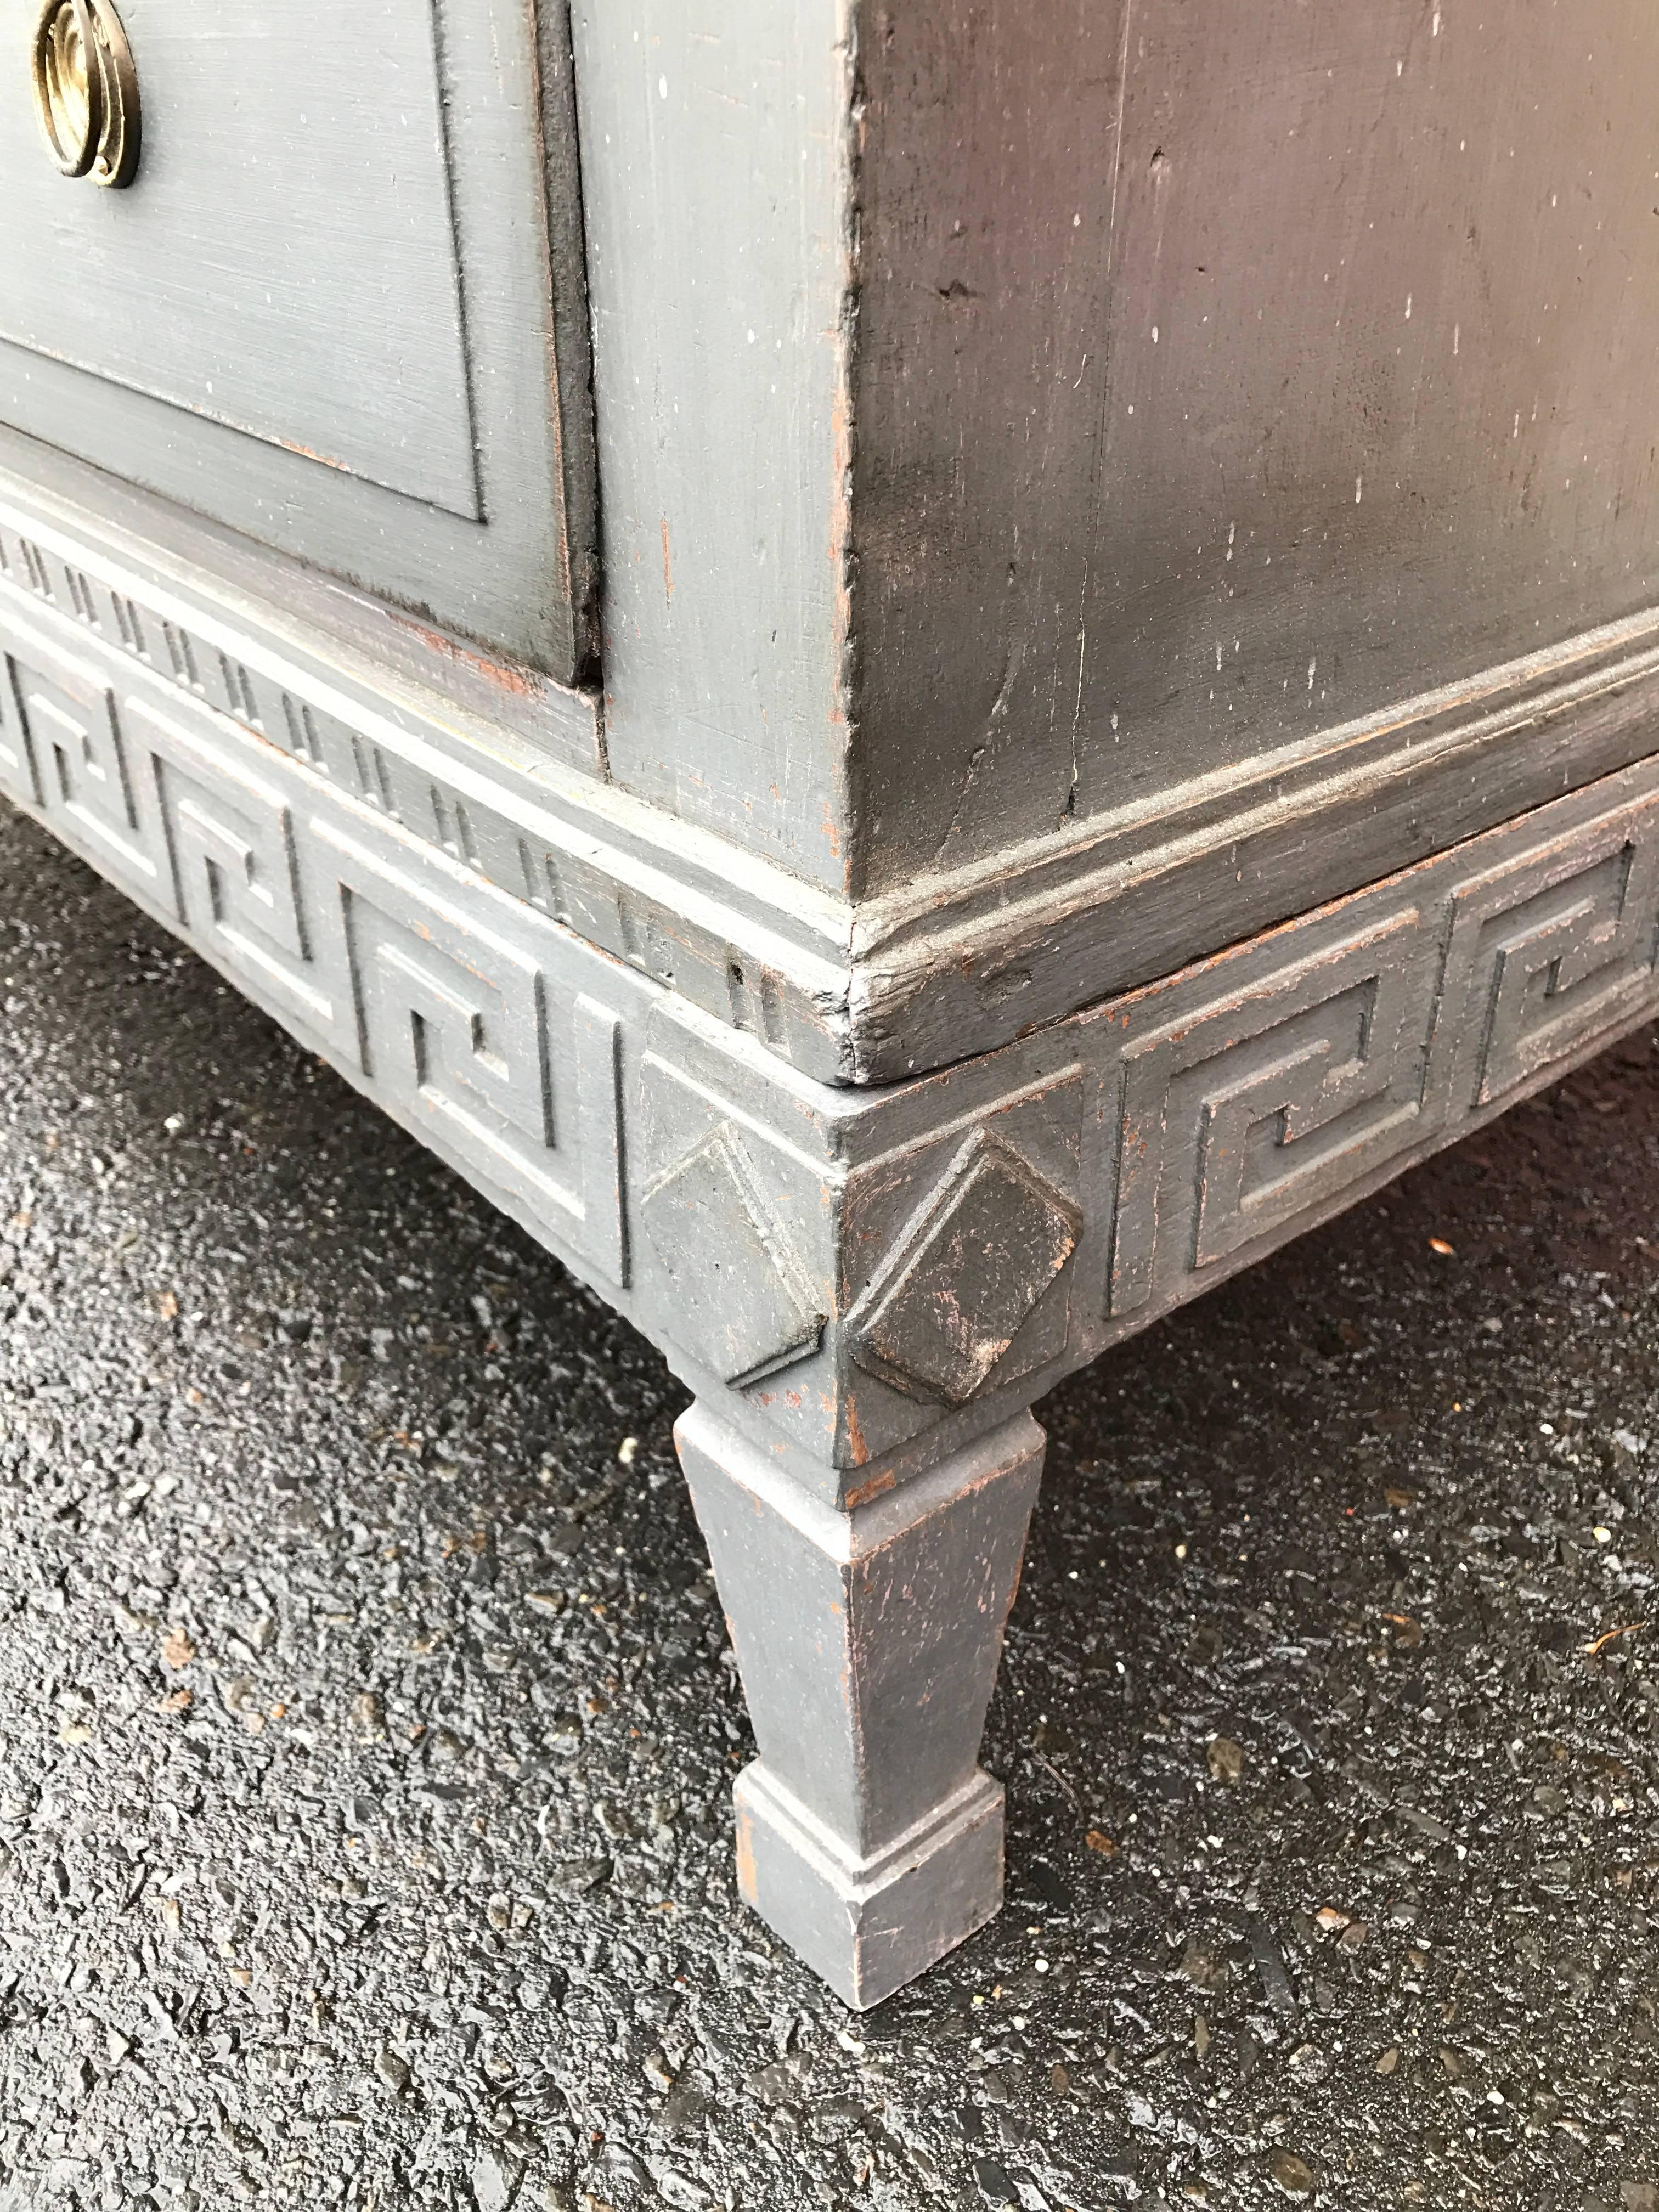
(340, 310)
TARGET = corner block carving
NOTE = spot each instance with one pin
(986, 1248)
(747, 1306)
(913, 1263)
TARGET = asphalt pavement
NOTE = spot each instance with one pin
(367, 1720)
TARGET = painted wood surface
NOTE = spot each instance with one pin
(290, 267)
(716, 159)
(865, 1289)
(968, 380)
(1080, 488)
(904, 1264)
(324, 310)
(1227, 374)
(1082, 485)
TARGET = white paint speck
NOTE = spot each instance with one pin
(662, 88)
(1457, 338)
(1313, 670)
(1408, 306)
(1358, 489)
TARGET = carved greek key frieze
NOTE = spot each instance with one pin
(78, 757)
(1255, 1094)
(694, 946)
(855, 1268)
(1237, 1115)
(482, 1026)
(1549, 949)
(455, 1023)
(234, 862)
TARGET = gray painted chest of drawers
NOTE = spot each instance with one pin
(916, 677)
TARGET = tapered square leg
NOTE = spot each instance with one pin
(868, 1641)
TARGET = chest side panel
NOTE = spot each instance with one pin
(1300, 363)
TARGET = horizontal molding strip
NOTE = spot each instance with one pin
(954, 966)
(1001, 949)
(679, 905)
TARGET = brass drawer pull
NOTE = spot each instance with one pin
(86, 90)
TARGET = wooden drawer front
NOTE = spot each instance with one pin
(323, 311)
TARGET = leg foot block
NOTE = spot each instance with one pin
(868, 1926)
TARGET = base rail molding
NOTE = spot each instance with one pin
(865, 1290)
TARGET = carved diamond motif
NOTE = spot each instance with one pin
(745, 1304)
(968, 1276)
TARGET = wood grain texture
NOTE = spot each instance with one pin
(1084, 487)
(986, 193)
(1091, 512)
(1225, 378)
(946, 967)
(863, 995)
(717, 160)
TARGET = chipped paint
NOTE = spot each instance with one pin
(521, 683)
(878, 1486)
(857, 1448)
(748, 1885)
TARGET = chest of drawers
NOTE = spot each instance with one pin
(917, 677)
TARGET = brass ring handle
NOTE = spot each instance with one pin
(86, 90)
